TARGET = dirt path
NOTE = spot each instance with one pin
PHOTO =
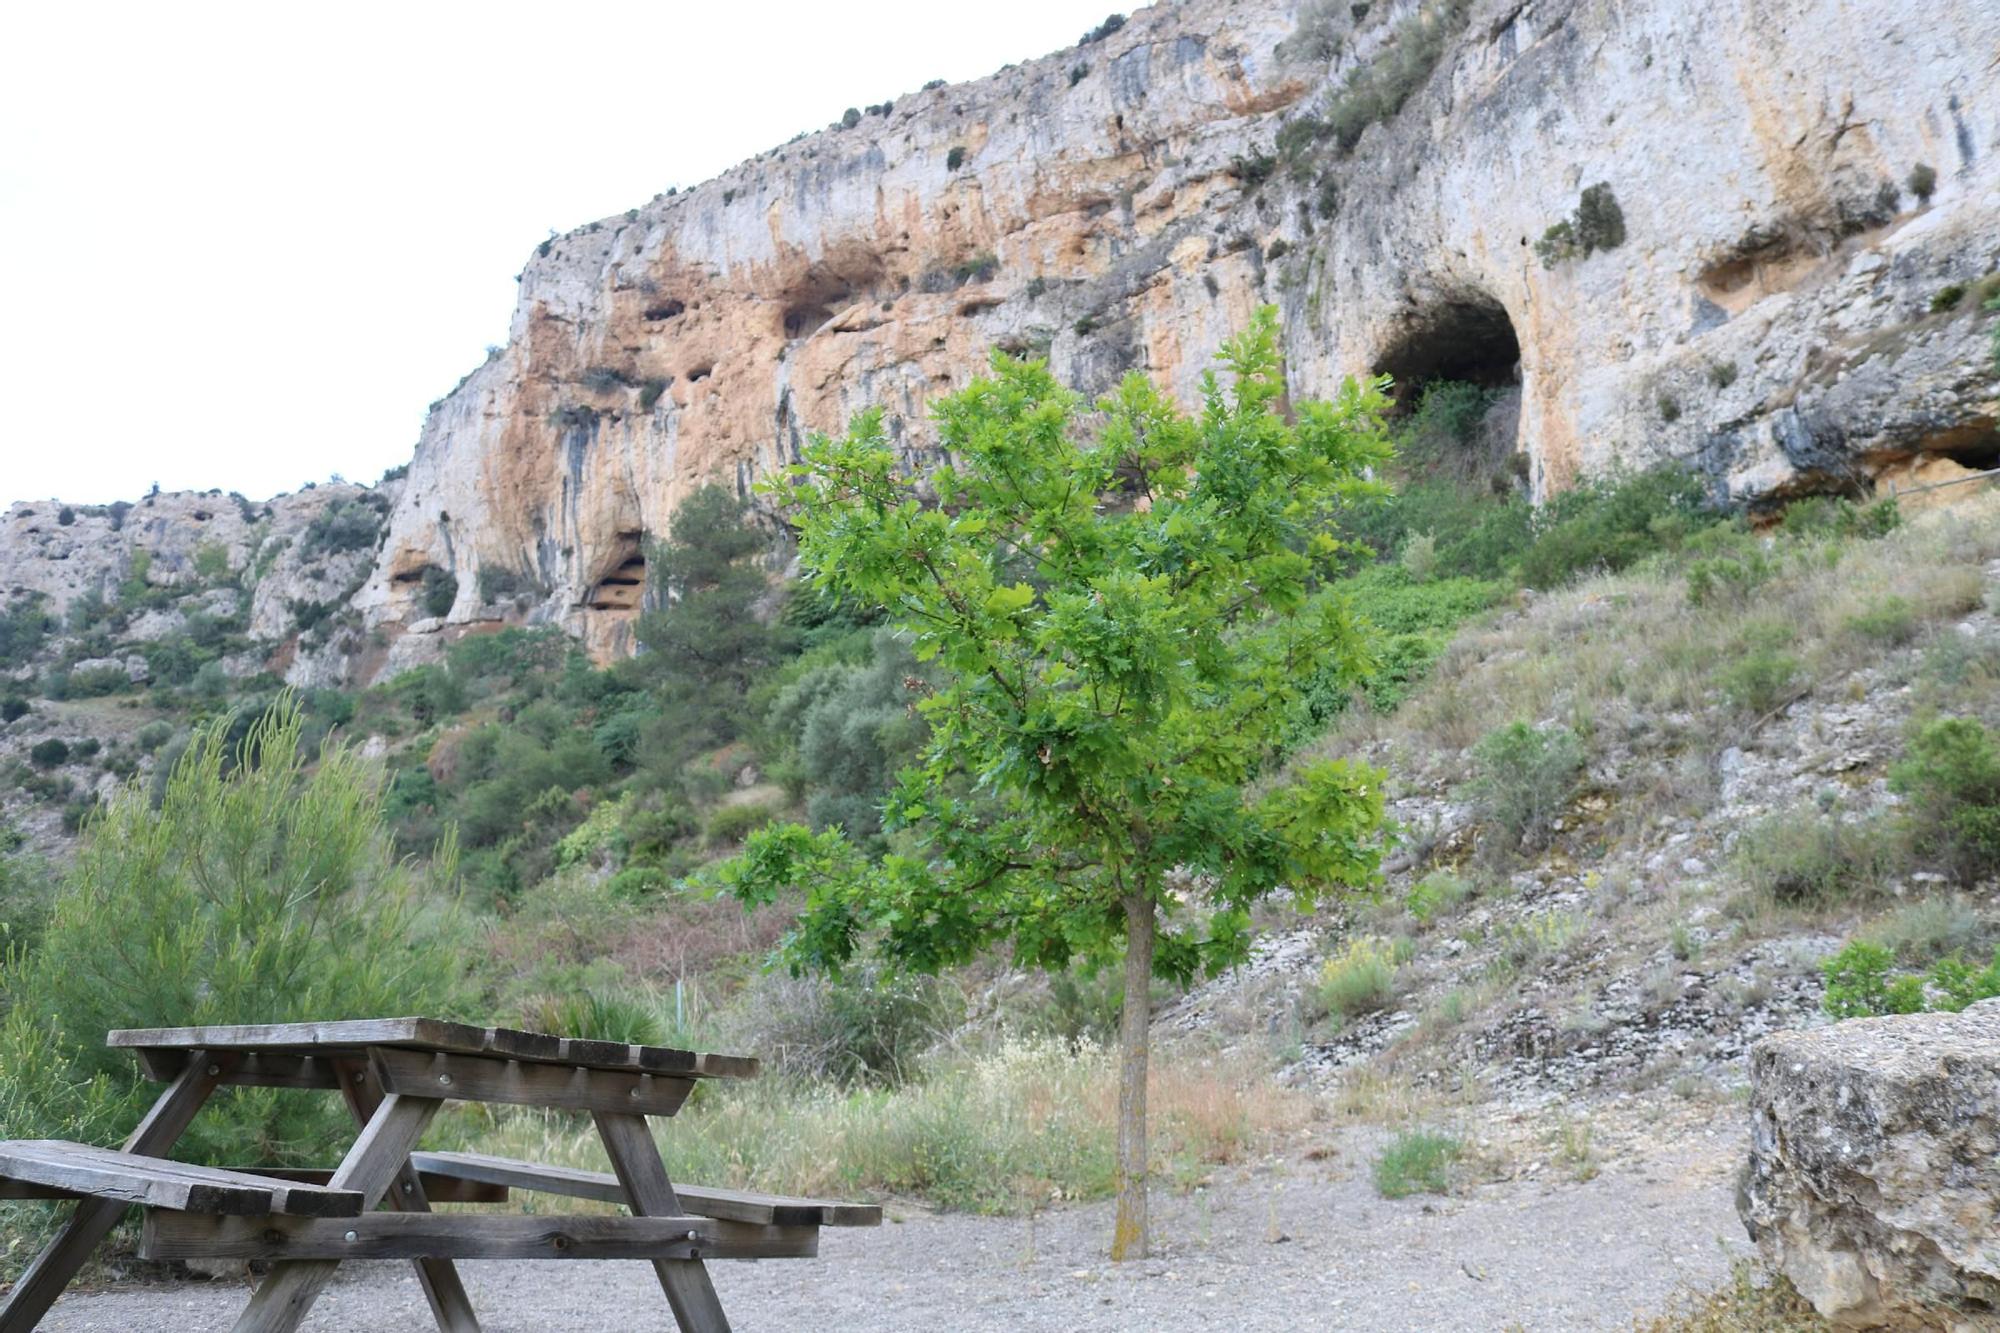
(1282, 1246)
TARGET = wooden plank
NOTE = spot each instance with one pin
(450, 1306)
(93, 1219)
(636, 1158)
(437, 1188)
(442, 1237)
(383, 1149)
(701, 1200)
(254, 1069)
(476, 1078)
(155, 1182)
(350, 1037)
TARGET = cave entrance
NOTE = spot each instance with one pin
(623, 588)
(1466, 340)
(1469, 339)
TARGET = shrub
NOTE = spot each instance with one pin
(979, 268)
(1416, 1162)
(12, 708)
(1922, 181)
(1722, 374)
(1888, 620)
(1253, 168)
(1526, 776)
(850, 118)
(1859, 983)
(344, 525)
(1112, 23)
(730, 824)
(50, 753)
(1077, 72)
(1803, 858)
(255, 892)
(955, 159)
(440, 591)
(24, 627)
(1377, 91)
(1738, 568)
(868, 1026)
(1761, 680)
(1947, 298)
(1610, 523)
(1420, 557)
(1359, 979)
(650, 392)
(1951, 773)
(66, 516)
(1435, 895)
(1319, 33)
(1597, 224)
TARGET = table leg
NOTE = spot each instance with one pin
(439, 1277)
(636, 1160)
(93, 1219)
(370, 1167)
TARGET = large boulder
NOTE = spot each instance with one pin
(1874, 1173)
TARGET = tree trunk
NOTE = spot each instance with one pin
(1128, 1241)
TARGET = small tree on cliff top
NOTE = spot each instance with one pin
(1119, 625)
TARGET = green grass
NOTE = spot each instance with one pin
(1417, 1162)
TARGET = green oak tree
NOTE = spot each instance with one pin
(1117, 619)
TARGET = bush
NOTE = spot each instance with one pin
(1526, 776)
(13, 708)
(867, 1026)
(1889, 620)
(255, 892)
(344, 525)
(1416, 1162)
(1859, 983)
(440, 591)
(728, 825)
(24, 627)
(1359, 979)
(1951, 773)
(955, 159)
(1761, 680)
(1922, 181)
(1802, 858)
(1435, 895)
(1597, 224)
(50, 753)
(1112, 23)
(1376, 91)
(1610, 523)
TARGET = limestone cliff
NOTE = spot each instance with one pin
(1756, 235)
(1795, 181)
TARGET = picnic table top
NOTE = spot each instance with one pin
(353, 1036)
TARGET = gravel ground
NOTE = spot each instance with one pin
(1295, 1244)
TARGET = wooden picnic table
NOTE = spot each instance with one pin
(395, 1074)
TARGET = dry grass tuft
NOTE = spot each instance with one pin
(1752, 1301)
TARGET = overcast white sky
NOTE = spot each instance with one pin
(246, 244)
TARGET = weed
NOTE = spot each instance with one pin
(1359, 979)
(1436, 895)
(1417, 1162)
(1952, 775)
(1526, 776)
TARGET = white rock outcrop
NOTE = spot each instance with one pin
(1874, 1173)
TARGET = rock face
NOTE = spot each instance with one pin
(1754, 235)
(1794, 184)
(1874, 1174)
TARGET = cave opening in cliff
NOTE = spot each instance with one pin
(622, 588)
(1469, 339)
(1466, 340)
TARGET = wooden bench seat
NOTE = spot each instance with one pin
(723, 1205)
(155, 1182)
